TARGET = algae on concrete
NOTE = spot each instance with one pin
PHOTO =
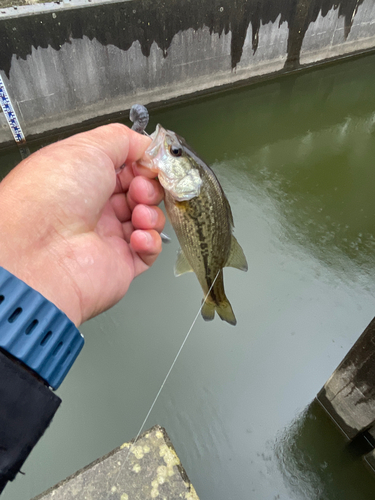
(145, 468)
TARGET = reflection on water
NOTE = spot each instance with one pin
(296, 159)
(315, 183)
(317, 180)
(316, 461)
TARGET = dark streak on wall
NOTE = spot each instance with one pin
(147, 21)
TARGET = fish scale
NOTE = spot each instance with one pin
(206, 246)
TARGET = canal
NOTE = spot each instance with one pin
(295, 156)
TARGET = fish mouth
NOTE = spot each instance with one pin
(155, 149)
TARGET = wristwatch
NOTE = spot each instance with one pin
(33, 330)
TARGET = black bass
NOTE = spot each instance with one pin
(201, 217)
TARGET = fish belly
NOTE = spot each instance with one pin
(204, 232)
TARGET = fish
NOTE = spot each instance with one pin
(201, 217)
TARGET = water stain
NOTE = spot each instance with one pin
(145, 21)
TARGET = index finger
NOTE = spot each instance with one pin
(144, 171)
(117, 141)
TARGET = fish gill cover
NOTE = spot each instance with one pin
(147, 21)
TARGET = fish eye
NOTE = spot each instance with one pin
(175, 151)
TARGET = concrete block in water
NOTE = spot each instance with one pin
(349, 394)
(148, 468)
(370, 459)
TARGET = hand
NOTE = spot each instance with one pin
(73, 230)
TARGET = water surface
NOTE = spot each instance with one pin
(296, 159)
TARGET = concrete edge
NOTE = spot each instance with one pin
(168, 101)
(120, 448)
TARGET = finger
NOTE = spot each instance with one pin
(145, 191)
(109, 223)
(147, 244)
(139, 144)
(124, 179)
(144, 171)
(127, 230)
(80, 171)
(120, 207)
(118, 142)
(146, 217)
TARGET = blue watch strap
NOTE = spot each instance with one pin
(35, 331)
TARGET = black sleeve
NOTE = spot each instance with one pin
(27, 406)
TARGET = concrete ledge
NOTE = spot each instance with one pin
(146, 469)
(349, 395)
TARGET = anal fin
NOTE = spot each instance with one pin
(182, 265)
(236, 257)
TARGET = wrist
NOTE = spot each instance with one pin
(42, 271)
(34, 331)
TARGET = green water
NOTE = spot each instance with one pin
(296, 159)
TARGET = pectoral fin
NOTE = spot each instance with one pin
(182, 266)
(236, 258)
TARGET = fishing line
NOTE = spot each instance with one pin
(164, 381)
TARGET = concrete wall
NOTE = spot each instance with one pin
(63, 63)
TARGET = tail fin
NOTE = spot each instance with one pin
(224, 310)
(208, 310)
